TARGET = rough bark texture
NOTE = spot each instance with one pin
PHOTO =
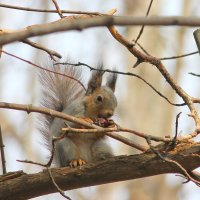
(120, 168)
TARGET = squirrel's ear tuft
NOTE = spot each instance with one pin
(95, 80)
(111, 81)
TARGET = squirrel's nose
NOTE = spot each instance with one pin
(105, 114)
(109, 114)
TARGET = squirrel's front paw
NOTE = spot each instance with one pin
(87, 119)
(77, 162)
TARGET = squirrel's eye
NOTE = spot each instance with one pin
(99, 98)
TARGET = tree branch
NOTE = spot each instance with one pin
(48, 11)
(38, 46)
(87, 21)
(3, 159)
(80, 121)
(141, 57)
(119, 168)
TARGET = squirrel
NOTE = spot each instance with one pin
(66, 95)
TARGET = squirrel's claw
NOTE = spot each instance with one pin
(77, 162)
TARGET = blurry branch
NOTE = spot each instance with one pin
(142, 48)
(56, 185)
(80, 22)
(91, 68)
(82, 122)
(187, 154)
(176, 127)
(105, 70)
(38, 46)
(142, 28)
(127, 74)
(116, 129)
(1, 51)
(196, 34)
(48, 164)
(170, 57)
(181, 56)
(58, 8)
(3, 159)
(33, 44)
(169, 160)
(141, 57)
(46, 69)
(48, 11)
(193, 74)
(84, 21)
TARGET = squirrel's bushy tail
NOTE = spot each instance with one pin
(58, 91)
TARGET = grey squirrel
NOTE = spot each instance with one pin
(67, 95)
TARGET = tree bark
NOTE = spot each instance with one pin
(120, 168)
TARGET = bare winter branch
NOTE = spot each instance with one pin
(187, 154)
(141, 57)
(31, 108)
(47, 11)
(58, 8)
(40, 67)
(142, 28)
(181, 56)
(87, 21)
(38, 46)
(3, 159)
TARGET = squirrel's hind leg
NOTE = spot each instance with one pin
(67, 154)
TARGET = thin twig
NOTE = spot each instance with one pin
(181, 56)
(48, 11)
(48, 164)
(193, 74)
(58, 8)
(142, 28)
(172, 161)
(176, 126)
(34, 44)
(3, 159)
(38, 46)
(53, 148)
(108, 132)
(142, 48)
(182, 169)
(35, 65)
(127, 141)
(56, 185)
(145, 136)
(116, 129)
(124, 73)
(141, 57)
(187, 179)
(43, 110)
(50, 175)
(31, 162)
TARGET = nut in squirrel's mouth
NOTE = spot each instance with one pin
(104, 122)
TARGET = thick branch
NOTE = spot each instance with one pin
(115, 169)
(65, 24)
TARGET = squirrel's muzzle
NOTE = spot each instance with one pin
(105, 114)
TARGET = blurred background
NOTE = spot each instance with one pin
(140, 108)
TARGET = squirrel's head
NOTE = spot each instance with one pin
(100, 101)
